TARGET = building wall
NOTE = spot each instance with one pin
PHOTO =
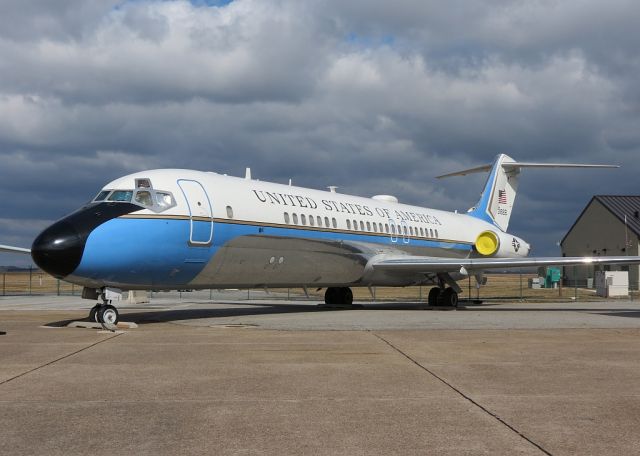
(599, 233)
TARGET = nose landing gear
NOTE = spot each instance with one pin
(104, 313)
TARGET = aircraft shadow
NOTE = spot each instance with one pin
(235, 309)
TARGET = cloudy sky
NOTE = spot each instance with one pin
(370, 95)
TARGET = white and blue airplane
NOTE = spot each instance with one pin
(173, 229)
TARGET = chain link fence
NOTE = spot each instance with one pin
(498, 287)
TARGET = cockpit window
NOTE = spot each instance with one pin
(102, 195)
(165, 200)
(144, 198)
(121, 195)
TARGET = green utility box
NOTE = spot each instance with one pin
(552, 277)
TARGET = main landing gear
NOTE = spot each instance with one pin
(105, 314)
(443, 297)
(338, 296)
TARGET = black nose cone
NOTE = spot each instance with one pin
(58, 249)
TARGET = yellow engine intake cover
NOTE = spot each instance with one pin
(487, 243)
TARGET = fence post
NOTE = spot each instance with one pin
(58, 280)
(521, 299)
(73, 290)
(575, 283)
(210, 294)
(4, 281)
(30, 278)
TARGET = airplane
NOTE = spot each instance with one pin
(178, 229)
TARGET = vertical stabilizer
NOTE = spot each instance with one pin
(497, 198)
(496, 202)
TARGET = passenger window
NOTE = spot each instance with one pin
(430, 232)
(334, 223)
(404, 230)
(295, 219)
(121, 195)
(229, 212)
(375, 227)
(393, 229)
(311, 220)
(348, 224)
(303, 219)
(326, 222)
(386, 227)
(436, 233)
(286, 218)
(355, 225)
(319, 220)
(101, 196)
(368, 226)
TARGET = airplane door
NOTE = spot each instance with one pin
(200, 212)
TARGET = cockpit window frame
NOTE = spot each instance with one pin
(155, 197)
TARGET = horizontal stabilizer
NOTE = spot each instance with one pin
(517, 165)
(8, 248)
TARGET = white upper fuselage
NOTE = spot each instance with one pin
(253, 201)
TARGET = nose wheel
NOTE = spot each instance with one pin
(105, 314)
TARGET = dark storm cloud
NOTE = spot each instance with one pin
(372, 96)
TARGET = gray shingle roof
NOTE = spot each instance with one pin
(619, 206)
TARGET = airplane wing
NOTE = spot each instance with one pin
(423, 264)
(8, 248)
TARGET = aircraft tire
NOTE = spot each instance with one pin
(108, 316)
(331, 295)
(434, 294)
(93, 313)
(338, 296)
(346, 296)
(448, 298)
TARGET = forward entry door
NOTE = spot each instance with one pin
(200, 212)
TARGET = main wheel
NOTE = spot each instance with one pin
(108, 316)
(448, 298)
(346, 296)
(434, 294)
(331, 295)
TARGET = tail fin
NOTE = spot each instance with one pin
(499, 194)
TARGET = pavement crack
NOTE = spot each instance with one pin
(59, 359)
(464, 396)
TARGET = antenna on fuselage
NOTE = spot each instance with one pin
(247, 174)
(332, 188)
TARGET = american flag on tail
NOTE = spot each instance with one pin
(502, 197)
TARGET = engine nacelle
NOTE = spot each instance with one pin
(500, 245)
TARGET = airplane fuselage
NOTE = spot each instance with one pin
(183, 229)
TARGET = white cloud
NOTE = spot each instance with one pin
(375, 97)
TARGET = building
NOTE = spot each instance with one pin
(608, 226)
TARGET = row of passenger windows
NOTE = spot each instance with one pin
(317, 221)
(355, 225)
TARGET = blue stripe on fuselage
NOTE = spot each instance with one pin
(156, 253)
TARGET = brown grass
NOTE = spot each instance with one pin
(499, 287)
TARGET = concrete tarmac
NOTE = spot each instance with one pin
(274, 377)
